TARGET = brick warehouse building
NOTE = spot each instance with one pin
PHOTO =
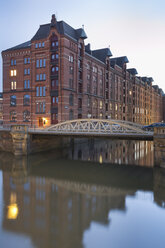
(56, 77)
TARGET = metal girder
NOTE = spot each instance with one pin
(97, 126)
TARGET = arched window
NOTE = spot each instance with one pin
(13, 100)
(26, 100)
(26, 116)
(13, 116)
(54, 41)
(71, 99)
(54, 56)
(71, 114)
(54, 70)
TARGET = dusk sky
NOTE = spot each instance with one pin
(135, 28)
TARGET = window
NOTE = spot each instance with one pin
(13, 73)
(79, 103)
(13, 85)
(88, 66)
(43, 44)
(54, 69)
(39, 45)
(40, 91)
(37, 63)
(13, 62)
(13, 101)
(54, 84)
(36, 46)
(27, 71)
(37, 77)
(71, 58)
(40, 107)
(27, 84)
(37, 91)
(44, 62)
(71, 70)
(40, 63)
(54, 56)
(26, 61)
(26, 100)
(94, 69)
(71, 99)
(13, 116)
(26, 116)
(71, 114)
(54, 100)
(71, 83)
(101, 104)
(40, 77)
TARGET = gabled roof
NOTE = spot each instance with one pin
(63, 28)
(21, 46)
(133, 71)
(43, 32)
(101, 54)
(148, 80)
(119, 61)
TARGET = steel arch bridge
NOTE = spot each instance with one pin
(97, 127)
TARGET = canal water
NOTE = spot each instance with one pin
(92, 194)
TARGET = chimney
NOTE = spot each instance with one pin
(53, 20)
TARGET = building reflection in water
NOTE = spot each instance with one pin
(54, 208)
(112, 151)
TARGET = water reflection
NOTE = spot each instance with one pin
(54, 200)
(112, 151)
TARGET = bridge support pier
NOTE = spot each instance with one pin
(19, 135)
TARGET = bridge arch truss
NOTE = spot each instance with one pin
(97, 127)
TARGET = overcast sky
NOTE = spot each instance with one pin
(135, 28)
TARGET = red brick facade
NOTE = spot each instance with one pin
(55, 77)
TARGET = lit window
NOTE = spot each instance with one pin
(13, 73)
(13, 116)
(101, 104)
(13, 85)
